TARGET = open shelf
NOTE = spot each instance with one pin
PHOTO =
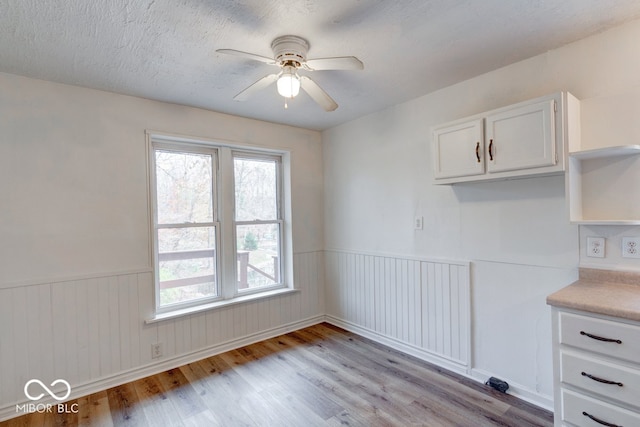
(606, 221)
(602, 186)
(622, 150)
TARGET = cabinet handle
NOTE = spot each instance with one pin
(491, 149)
(600, 380)
(478, 151)
(595, 337)
(604, 423)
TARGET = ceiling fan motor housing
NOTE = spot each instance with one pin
(290, 50)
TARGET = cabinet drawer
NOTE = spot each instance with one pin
(621, 340)
(590, 374)
(577, 408)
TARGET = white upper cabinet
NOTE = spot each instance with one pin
(459, 149)
(521, 138)
(528, 138)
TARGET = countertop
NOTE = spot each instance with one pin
(607, 292)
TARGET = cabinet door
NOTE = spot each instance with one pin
(522, 138)
(458, 149)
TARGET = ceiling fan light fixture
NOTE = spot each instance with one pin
(288, 82)
(290, 54)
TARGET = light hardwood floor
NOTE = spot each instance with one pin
(318, 376)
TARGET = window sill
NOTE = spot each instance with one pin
(159, 317)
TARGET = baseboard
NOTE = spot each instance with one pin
(104, 383)
(450, 364)
(517, 390)
(80, 390)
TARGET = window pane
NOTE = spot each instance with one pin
(184, 187)
(186, 261)
(258, 248)
(186, 239)
(256, 189)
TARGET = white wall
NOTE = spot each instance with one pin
(516, 233)
(75, 282)
(74, 184)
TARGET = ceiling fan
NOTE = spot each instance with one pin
(290, 54)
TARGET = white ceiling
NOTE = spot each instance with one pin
(165, 49)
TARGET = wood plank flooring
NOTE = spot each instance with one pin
(318, 376)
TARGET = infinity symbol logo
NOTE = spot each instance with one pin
(51, 393)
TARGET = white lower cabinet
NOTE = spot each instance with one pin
(583, 411)
(596, 369)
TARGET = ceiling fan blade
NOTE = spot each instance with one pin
(257, 86)
(337, 63)
(320, 96)
(247, 55)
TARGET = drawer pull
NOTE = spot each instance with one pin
(600, 380)
(595, 337)
(604, 423)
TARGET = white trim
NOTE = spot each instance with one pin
(186, 311)
(517, 390)
(219, 142)
(402, 256)
(310, 251)
(62, 279)
(130, 375)
(151, 229)
(420, 353)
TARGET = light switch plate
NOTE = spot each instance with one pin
(595, 247)
(418, 223)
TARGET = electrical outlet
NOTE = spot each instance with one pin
(631, 247)
(418, 223)
(595, 247)
(156, 350)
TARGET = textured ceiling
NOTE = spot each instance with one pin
(165, 49)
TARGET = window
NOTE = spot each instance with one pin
(217, 222)
(258, 224)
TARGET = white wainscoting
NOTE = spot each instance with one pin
(91, 331)
(421, 307)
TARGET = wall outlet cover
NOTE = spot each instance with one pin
(631, 247)
(156, 350)
(595, 247)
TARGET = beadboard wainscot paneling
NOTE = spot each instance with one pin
(418, 306)
(91, 331)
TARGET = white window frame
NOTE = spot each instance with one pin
(253, 155)
(170, 146)
(224, 218)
